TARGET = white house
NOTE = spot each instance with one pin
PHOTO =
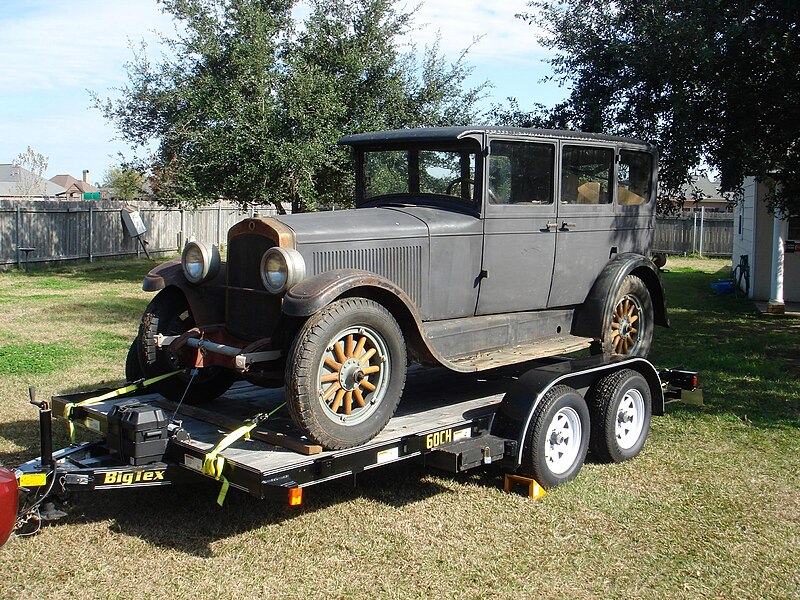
(768, 243)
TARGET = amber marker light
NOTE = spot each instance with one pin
(295, 496)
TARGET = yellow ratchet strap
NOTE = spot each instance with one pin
(214, 464)
(136, 385)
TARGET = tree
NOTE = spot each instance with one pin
(346, 74)
(210, 106)
(126, 182)
(712, 81)
(250, 109)
(31, 175)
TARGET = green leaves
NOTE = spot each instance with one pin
(249, 109)
(714, 81)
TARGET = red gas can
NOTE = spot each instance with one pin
(8, 503)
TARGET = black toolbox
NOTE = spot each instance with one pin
(137, 432)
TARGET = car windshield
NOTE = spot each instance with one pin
(415, 174)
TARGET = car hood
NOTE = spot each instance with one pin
(354, 225)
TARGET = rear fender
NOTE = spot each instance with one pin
(206, 300)
(590, 319)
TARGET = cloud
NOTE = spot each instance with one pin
(83, 43)
(503, 38)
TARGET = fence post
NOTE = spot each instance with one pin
(182, 233)
(219, 222)
(702, 220)
(91, 231)
(19, 235)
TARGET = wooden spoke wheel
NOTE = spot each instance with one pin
(345, 372)
(628, 329)
(354, 374)
(626, 322)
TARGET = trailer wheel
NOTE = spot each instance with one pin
(628, 330)
(621, 406)
(168, 313)
(557, 439)
(345, 372)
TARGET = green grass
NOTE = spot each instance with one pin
(711, 508)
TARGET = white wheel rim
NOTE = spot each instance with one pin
(353, 375)
(563, 441)
(630, 419)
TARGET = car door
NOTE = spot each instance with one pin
(586, 236)
(519, 226)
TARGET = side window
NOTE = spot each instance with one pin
(586, 175)
(634, 177)
(521, 173)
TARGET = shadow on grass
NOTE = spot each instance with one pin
(186, 517)
(106, 271)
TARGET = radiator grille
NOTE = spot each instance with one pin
(400, 264)
(251, 312)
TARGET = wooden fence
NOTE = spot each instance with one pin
(711, 235)
(66, 230)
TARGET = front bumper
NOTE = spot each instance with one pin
(215, 348)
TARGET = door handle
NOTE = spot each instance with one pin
(550, 225)
(565, 225)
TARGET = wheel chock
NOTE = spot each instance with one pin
(534, 490)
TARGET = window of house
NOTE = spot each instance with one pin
(521, 173)
(586, 175)
(794, 228)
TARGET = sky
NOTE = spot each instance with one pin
(54, 52)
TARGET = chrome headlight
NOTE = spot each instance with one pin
(281, 268)
(200, 261)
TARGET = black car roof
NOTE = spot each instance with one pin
(444, 134)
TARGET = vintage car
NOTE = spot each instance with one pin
(469, 247)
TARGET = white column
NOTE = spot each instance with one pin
(780, 229)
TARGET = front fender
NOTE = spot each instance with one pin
(314, 293)
(206, 300)
(590, 318)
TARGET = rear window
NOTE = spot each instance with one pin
(634, 177)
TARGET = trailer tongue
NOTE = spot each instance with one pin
(531, 420)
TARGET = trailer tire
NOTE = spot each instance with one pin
(557, 439)
(169, 314)
(620, 408)
(345, 373)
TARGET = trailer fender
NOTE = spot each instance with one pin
(9, 492)
(518, 406)
(206, 300)
(590, 318)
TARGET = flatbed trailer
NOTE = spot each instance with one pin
(455, 422)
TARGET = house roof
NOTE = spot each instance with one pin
(709, 191)
(13, 176)
(73, 185)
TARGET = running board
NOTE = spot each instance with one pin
(541, 348)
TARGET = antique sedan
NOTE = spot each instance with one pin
(469, 247)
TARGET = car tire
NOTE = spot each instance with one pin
(628, 329)
(133, 370)
(168, 314)
(620, 408)
(557, 439)
(345, 373)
